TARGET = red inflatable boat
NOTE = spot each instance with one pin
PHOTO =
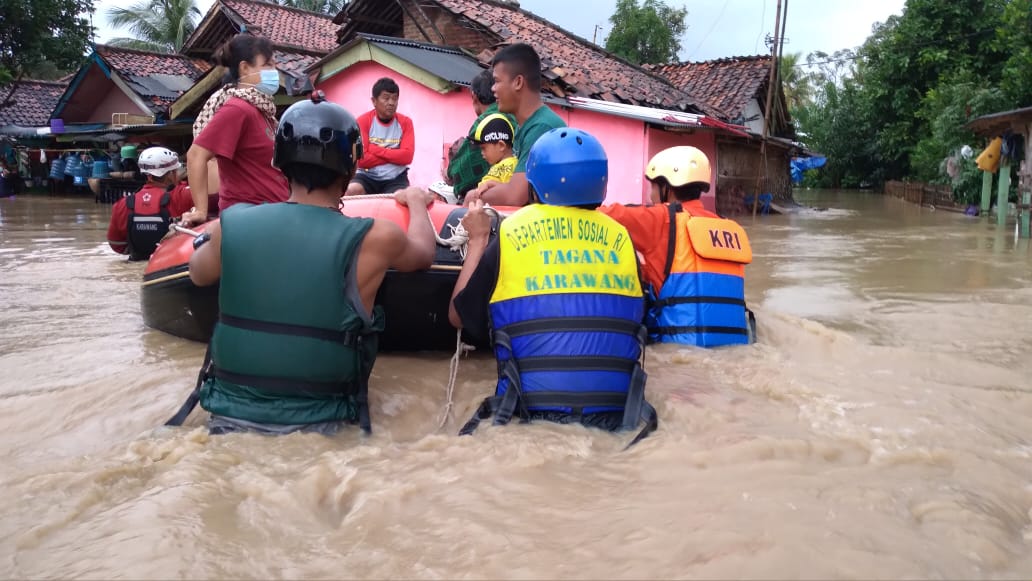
(415, 303)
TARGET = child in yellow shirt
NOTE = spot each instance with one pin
(494, 134)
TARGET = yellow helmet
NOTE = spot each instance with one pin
(680, 166)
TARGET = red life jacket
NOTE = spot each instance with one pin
(149, 220)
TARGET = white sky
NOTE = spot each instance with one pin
(716, 28)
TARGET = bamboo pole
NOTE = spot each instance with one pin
(766, 110)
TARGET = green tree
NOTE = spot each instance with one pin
(40, 36)
(1014, 38)
(649, 33)
(331, 7)
(156, 25)
(959, 98)
(908, 56)
(795, 81)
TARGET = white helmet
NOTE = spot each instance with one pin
(158, 161)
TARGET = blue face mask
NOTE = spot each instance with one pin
(269, 82)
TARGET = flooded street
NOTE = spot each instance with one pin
(880, 428)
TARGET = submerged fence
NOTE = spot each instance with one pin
(939, 195)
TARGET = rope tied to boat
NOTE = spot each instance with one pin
(453, 374)
(458, 239)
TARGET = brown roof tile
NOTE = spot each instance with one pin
(159, 78)
(727, 84)
(288, 27)
(31, 103)
(571, 64)
(143, 63)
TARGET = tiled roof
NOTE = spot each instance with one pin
(31, 103)
(157, 77)
(288, 27)
(727, 84)
(572, 63)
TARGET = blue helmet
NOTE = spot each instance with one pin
(568, 167)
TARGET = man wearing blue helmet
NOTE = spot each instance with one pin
(558, 293)
(297, 332)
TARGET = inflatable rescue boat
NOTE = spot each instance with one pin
(415, 303)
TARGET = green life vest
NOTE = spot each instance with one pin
(291, 345)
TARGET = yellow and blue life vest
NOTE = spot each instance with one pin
(566, 316)
(702, 300)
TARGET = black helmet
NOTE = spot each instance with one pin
(318, 132)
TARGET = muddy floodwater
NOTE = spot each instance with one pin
(880, 428)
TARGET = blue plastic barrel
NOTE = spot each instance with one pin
(72, 165)
(57, 168)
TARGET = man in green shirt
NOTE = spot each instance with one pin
(466, 167)
(517, 86)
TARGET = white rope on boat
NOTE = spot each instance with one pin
(458, 238)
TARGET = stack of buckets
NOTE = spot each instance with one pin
(101, 171)
(78, 169)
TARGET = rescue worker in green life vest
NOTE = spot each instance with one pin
(297, 332)
(558, 292)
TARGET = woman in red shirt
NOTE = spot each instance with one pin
(237, 127)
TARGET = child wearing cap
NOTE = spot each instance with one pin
(494, 136)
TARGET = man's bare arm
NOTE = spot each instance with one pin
(514, 193)
(420, 244)
(206, 261)
(478, 224)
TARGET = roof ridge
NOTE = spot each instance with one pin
(268, 4)
(409, 42)
(725, 59)
(583, 41)
(41, 82)
(112, 48)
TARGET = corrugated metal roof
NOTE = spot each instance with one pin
(450, 64)
(662, 117)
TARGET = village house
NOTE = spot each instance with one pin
(121, 92)
(27, 105)
(433, 48)
(738, 86)
(634, 112)
(299, 39)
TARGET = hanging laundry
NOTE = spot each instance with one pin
(989, 159)
(1011, 148)
(952, 167)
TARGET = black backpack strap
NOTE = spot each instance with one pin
(505, 406)
(673, 209)
(195, 395)
(513, 401)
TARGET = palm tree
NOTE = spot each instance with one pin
(331, 7)
(157, 25)
(794, 81)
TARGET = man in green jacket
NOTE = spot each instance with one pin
(297, 332)
(466, 167)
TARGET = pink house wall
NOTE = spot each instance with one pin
(114, 101)
(441, 119)
(438, 119)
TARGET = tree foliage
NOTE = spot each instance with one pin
(796, 81)
(156, 25)
(38, 37)
(895, 108)
(646, 33)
